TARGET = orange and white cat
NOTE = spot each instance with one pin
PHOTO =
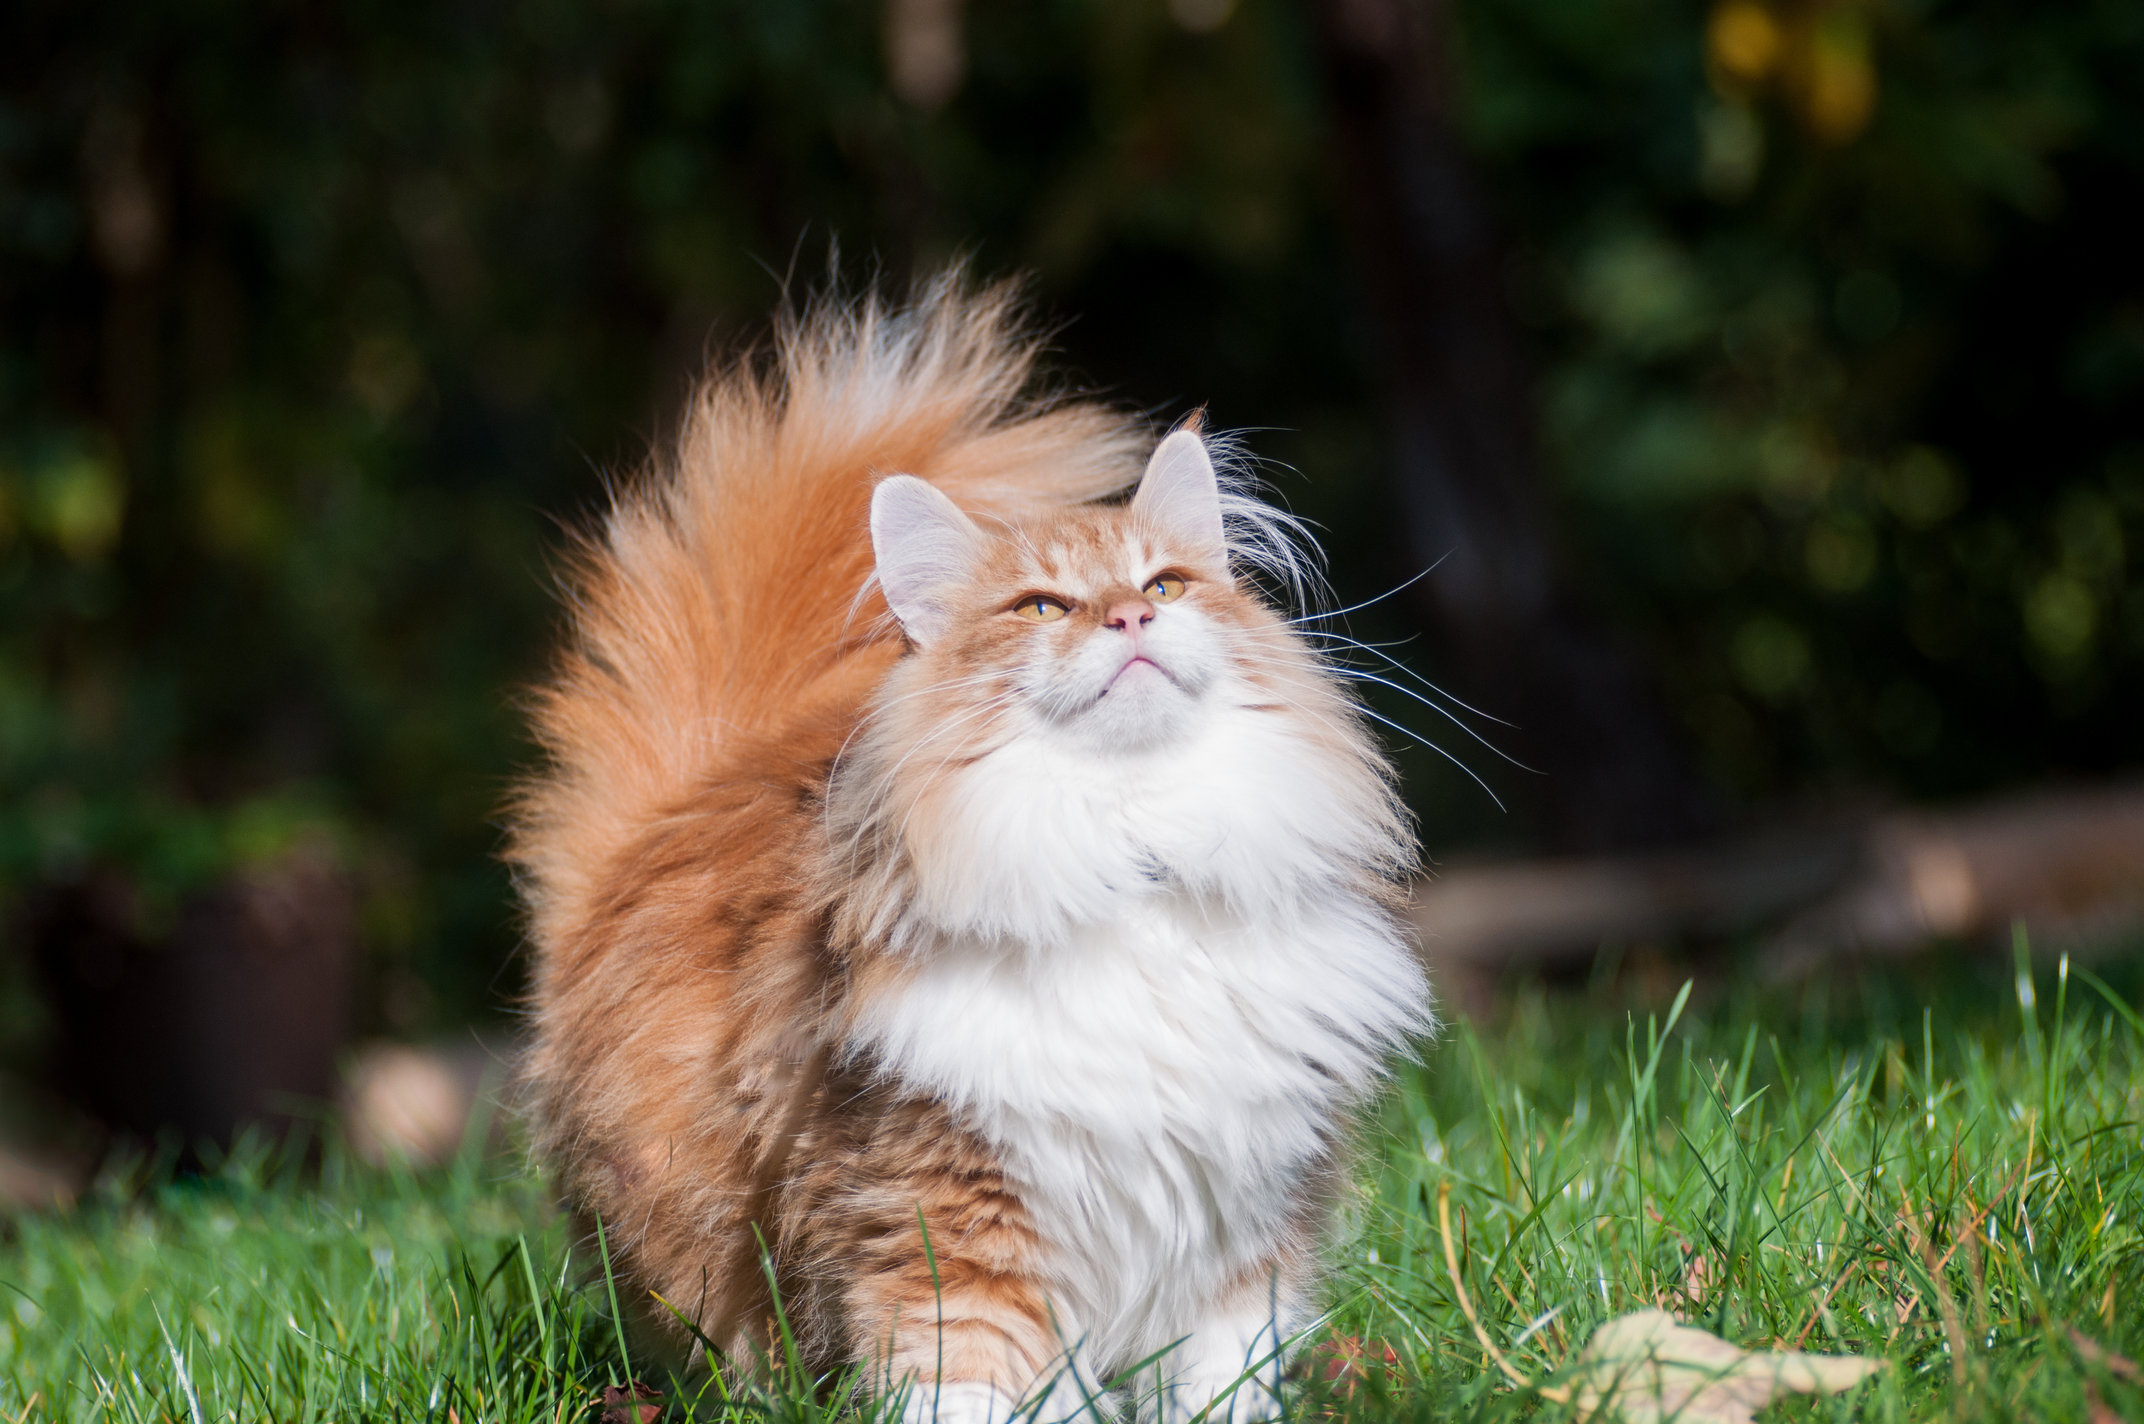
(960, 881)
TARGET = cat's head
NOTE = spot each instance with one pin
(1096, 704)
(1106, 627)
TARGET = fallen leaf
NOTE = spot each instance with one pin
(1644, 1367)
(623, 1407)
(1343, 1360)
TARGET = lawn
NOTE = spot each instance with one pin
(1942, 1170)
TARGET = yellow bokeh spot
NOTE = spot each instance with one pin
(1838, 88)
(1743, 39)
(2061, 614)
(81, 501)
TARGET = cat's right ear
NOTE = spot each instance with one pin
(926, 549)
(1181, 493)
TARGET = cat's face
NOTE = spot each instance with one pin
(1106, 628)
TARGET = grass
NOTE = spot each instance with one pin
(1953, 1182)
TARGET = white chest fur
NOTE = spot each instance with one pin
(1159, 1083)
(1155, 984)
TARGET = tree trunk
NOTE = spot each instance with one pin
(1461, 413)
(235, 1015)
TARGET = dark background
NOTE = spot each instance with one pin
(1767, 376)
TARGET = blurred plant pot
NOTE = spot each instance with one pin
(236, 1016)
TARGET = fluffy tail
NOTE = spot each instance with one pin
(727, 594)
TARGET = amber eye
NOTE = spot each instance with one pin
(1039, 609)
(1165, 587)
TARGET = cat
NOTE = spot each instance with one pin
(956, 894)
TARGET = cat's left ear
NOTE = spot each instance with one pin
(926, 550)
(1180, 493)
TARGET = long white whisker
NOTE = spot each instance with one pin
(1444, 712)
(1367, 602)
(1364, 675)
(1377, 716)
(891, 774)
(1410, 733)
(1375, 651)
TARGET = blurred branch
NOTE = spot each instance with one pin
(2069, 864)
(1460, 404)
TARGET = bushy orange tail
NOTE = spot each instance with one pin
(720, 599)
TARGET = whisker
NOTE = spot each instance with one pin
(901, 833)
(1376, 650)
(1445, 712)
(890, 775)
(1377, 716)
(1367, 602)
(947, 685)
(1365, 710)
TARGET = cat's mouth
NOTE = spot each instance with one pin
(1131, 669)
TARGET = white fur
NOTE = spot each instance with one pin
(956, 1402)
(1041, 837)
(1236, 1357)
(1140, 956)
(1142, 983)
(1066, 1392)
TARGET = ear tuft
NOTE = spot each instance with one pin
(1181, 493)
(926, 549)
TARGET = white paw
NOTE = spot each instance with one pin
(956, 1402)
(1067, 1393)
(1220, 1399)
(1227, 1373)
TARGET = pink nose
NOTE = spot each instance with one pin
(1130, 615)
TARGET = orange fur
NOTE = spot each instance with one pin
(719, 658)
(758, 839)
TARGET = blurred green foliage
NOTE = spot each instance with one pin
(1843, 370)
(312, 320)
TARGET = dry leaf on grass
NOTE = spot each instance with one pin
(1344, 1361)
(637, 1403)
(1644, 1367)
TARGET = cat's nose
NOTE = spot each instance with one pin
(1130, 615)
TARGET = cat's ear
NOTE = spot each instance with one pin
(926, 549)
(1180, 493)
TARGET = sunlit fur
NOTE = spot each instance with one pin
(1082, 966)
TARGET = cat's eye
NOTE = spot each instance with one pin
(1165, 587)
(1039, 609)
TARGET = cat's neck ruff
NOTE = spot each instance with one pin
(1038, 840)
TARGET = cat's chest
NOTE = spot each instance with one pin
(1147, 1023)
(1162, 1084)
(1169, 1068)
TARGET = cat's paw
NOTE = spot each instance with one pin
(1069, 1395)
(1218, 1399)
(957, 1402)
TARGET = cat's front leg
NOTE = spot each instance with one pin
(945, 1289)
(1063, 1390)
(1067, 1388)
(1229, 1370)
(956, 1402)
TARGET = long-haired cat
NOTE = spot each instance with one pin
(955, 892)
